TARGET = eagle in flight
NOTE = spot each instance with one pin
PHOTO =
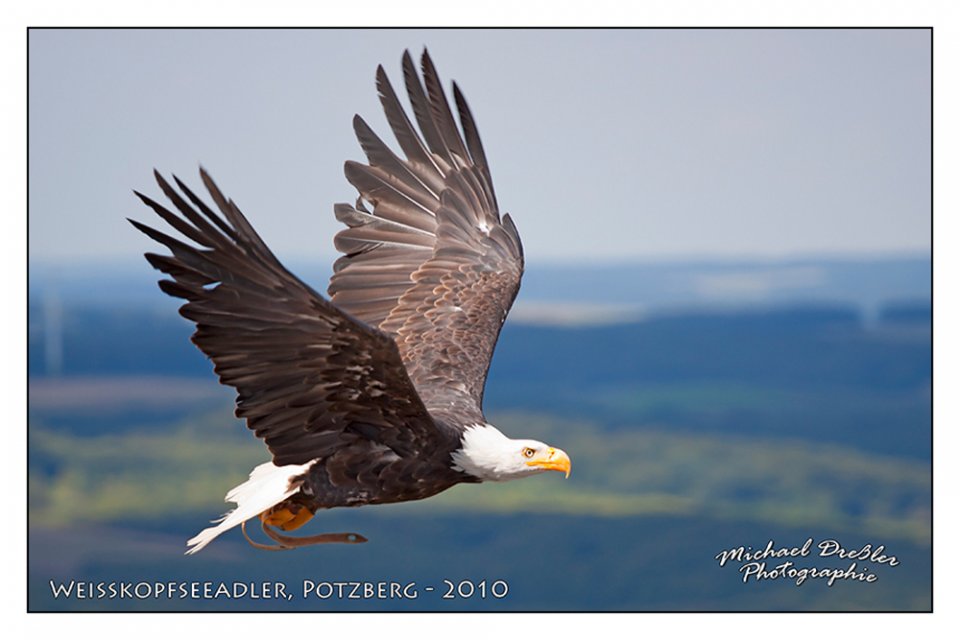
(375, 395)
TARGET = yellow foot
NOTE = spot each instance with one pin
(287, 516)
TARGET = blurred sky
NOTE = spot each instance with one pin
(604, 145)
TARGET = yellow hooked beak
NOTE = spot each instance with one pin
(552, 460)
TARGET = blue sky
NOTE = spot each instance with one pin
(604, 145)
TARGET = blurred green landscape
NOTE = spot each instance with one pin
(691, 430)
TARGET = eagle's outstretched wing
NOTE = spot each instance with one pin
(310, 380)
(432, 264)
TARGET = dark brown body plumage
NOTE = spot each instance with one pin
(377, 384)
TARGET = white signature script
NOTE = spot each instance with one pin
(762, 564)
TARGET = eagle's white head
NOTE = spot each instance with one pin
(488, 454)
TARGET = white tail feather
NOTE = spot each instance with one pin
(268, 485)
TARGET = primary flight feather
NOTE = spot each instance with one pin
(375, 395)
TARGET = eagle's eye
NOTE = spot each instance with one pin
(528, 452)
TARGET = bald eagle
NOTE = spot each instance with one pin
(375, 395)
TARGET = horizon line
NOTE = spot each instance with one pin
(576, 261)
